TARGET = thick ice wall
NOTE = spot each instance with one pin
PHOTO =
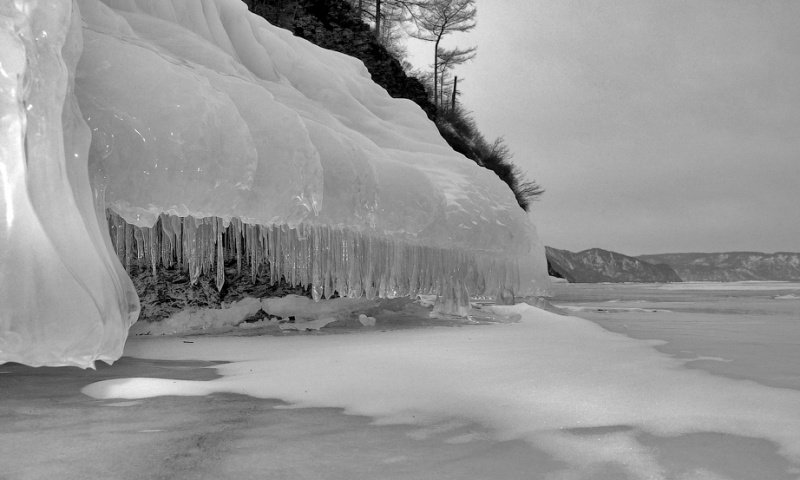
(217, 125)
(63, 299)
(375, 153)
(170, 135)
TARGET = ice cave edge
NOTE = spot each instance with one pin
(201, 120)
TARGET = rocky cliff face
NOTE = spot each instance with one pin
(730, 266)
(596, 265)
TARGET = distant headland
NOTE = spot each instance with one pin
(596, 265)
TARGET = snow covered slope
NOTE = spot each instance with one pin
(194, 116)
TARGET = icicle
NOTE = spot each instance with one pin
(177, 228)
(252, 245)
(383, 264)
(139, 241)
(211, 244)
(303, 254)
(438, 272)
(297, 251)
(413, 278)
(277, 266)
(308, 244)
(201, 246)
(339, 262)
(272, 254)
(248, 248)
(155, 249)
(399, 283)
(204, 233)
(335, 260)
(185, 244)
(470, 280)
(263, 251)
(291, 264)
(220, 256)
(316, 267)
(353, 265)
(200, 240)
(285, 253)
(395, 269)
(328, 260)
(321, 259)
(426, 270)
(143, 242)
(368, 268)
(327, 281)
(190, 248)
(121, 248)
(129, 245)
(386, 267)
(236, 225)
(167, 240)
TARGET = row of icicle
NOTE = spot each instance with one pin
(328, 259)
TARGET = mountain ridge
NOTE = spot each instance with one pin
(731, 266)
(596, 265)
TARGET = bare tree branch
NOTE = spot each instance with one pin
(439, 18)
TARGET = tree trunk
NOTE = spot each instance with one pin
(455, 89)
(436, 73)
(442, 81)
(378, 19)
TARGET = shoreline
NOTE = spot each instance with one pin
(519, 398)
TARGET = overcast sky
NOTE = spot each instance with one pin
(655, 125)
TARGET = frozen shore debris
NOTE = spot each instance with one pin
(302, 314)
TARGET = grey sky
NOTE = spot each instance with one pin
(655, 126)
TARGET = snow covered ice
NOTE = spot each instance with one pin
(195, 119)
(600, 405)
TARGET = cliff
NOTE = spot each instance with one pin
(596, 265)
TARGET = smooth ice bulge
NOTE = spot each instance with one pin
(204, 123)
(63, 299)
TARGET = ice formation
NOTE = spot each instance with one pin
(210, 134)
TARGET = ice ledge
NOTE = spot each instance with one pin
(331, 261)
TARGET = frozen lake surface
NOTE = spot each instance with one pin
(745, 330)
(693, 381)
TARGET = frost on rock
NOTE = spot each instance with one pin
(208, 134)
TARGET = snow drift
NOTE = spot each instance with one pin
(208, 132)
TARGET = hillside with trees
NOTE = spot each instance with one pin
(375, 31)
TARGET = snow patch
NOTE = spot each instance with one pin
(787, 297)
(201, 320)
